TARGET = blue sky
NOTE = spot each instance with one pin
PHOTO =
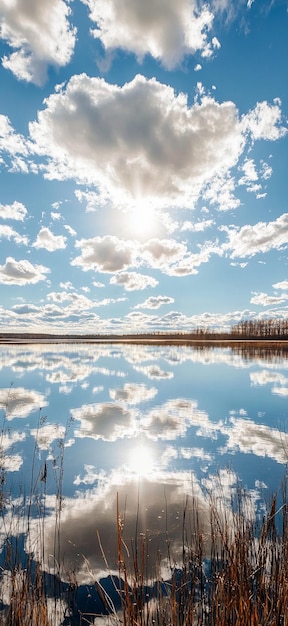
(143, 156)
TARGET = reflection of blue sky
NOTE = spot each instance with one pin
(190, 410)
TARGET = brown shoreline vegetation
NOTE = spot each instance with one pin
(269, 331)
(241, 580)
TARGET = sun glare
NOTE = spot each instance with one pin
(143, 219)
(141, 460)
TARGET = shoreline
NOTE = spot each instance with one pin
(140, 340)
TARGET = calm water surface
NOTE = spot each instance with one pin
(154, 425)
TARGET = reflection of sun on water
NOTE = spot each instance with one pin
(140, 460)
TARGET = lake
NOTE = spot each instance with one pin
(147, 427)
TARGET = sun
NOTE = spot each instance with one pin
(141, 460)
(143, 219)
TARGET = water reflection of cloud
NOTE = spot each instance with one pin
(47, 434)
(196, 453)
(278, 381)
(153, 371)
(246, 436)
(20, 402)
(265, 377)
(172, 419)
(107, 421)
(280, 391)
(133, 393)
(153, 508)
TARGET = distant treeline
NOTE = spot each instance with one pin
(261, 330)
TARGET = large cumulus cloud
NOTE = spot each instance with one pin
(142, 140)
(139, 140)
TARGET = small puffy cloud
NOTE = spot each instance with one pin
(139, 140)
(70, 230)
(133, 393)
(196, 227)
(20, 402)
(262, 237)
(283, 284)
(190, 262)
(40, 34)
(250, 173)
(14, 211)
(21, 272)
(266, 171)
(197, 67)
(133, 281)
(6, 232)
(220, 191)
(162, 252)
(105, 254)
(45, 239)
(165, 29)
(11, 142)
(154, 302)
(264, 121)
(24, 309)
(264, 300)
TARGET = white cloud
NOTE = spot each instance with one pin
(133, 281)
(70, 230)
(161, 253)
(138, 141)
(262, 237)
(154, 302)
(266, 171)
(281, 285)
(250, 173)
(220, 191)
(14, 211)
(165, 29)
(21, 272)
(264, 121)
(11, 142)
(105, 254)
(196, 227)
(40, 34)
(6, 232)
(264, 300)
(45, 239)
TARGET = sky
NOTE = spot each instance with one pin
(143, 161)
